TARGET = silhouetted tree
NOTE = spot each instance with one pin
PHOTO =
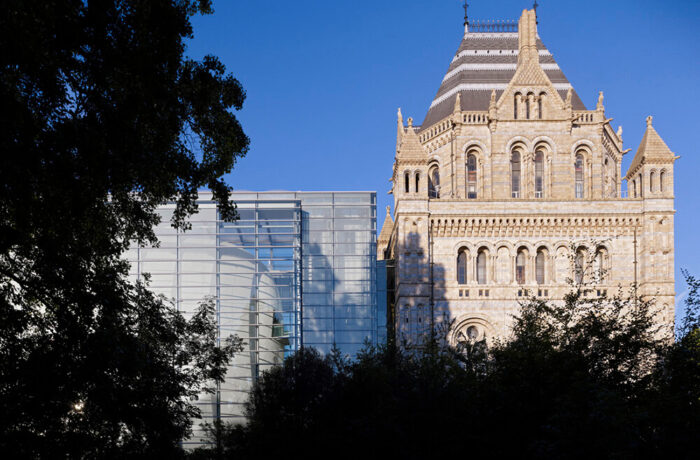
(676, 403)
(103, 119)
(589, 377)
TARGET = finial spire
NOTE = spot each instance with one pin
(466, 16)
(534, 7)
(649, 119)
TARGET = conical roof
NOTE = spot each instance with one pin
(652, 147)
(410, 146)
(387, 228)
(486, 61)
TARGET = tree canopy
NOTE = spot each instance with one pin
(103, 119)
(592, 378)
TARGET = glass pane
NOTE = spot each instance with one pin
(354, 198)
(481, 268)
(539, 262)
(462, 268)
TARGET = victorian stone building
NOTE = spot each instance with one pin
(512, 187)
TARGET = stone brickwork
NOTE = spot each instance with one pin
(490, 202)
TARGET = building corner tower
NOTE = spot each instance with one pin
(507, 181)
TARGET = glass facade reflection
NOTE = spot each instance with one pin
(297, 268)
(339, 270)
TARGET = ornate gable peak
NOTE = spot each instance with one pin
(529, 75)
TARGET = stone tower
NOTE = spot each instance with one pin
(510, 186)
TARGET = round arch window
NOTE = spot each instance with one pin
(469, 334)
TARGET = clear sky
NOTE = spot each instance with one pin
(324, 80)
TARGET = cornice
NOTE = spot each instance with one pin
(529, 226)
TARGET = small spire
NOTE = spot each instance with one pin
(599, 105)
(466, 16)
(492, 101)
(399, 129)
(458, 104)
(534, 7)
(410, 122)
(388, 211)
(649, 119)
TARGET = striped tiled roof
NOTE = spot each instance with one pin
(486, 61)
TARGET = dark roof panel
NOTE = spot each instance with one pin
(484, 62)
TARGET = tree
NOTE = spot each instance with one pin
(103, 119)
(676, 403)
(589, 377)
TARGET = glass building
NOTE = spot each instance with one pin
(297, 268)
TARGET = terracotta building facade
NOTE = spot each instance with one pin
(511, 187)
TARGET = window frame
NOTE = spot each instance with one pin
(513, 192)
(472, 176)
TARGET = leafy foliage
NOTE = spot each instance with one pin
(593, 377)
(103, 119)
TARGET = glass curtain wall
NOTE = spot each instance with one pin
(339, 270)
(251, 268)
(297, 268)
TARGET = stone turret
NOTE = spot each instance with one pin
(410, 165)
(651, 172)
(650, 180)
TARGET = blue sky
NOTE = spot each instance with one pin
(324, 80)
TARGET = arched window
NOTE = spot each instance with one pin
(601, 259)
(528, 106)
(578, 267)
(578, 166)
(539, 174)
(417, 182)
(641, 185)
(662, 175)
(516, 105)
(539, 266)
(634, 188)
(520, 267)
(652, 180)
(462, 266)
(434, 183)
(406, 182)
(606, 176)
(540, 105)
(471, 176)
(481, 267)
(515, 175)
